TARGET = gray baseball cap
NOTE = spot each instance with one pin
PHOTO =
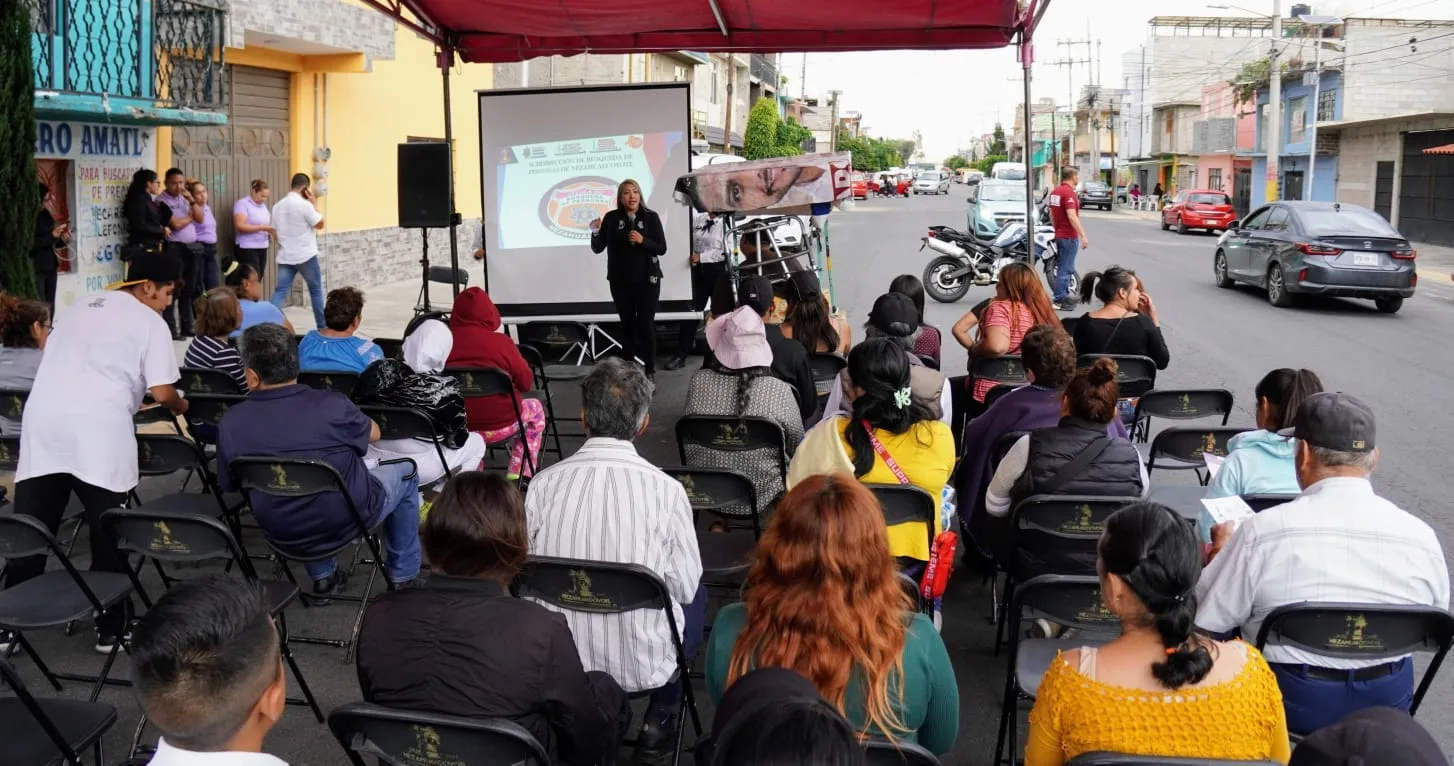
(1335, 421)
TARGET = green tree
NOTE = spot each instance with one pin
(1252, 77)
(760, 140)
(904, 148)
(997, 146)
(17, 147)
(955, 162)
(988, 163)
(790, 138)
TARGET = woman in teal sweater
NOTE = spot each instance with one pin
(824, 599)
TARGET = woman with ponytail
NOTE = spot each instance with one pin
(245, 280)
(1261, 462)
(1158, 689)
(24, 328)
(885, 420)
(1126, 322)
(738, 383)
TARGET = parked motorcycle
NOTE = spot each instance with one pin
(963, 262)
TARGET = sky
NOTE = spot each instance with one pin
(952, 96)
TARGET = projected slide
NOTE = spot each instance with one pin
(550, 192)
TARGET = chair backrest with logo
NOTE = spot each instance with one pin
(1135, 375)
(724, 493)
(723, 433)
(1180, 404)
(1058, 534)
(330, 380)
(202, 380)
(1001, 369)
(413, 738)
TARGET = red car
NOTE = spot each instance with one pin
(1198, 209)
(862, 187)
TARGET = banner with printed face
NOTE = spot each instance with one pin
(781, 185)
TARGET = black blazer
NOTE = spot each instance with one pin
(629, 263)
(144, 219)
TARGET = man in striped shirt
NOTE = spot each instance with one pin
(607, 503)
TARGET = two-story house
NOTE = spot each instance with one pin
(1226, 128)
(1304, 102)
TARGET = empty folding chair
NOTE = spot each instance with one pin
(50, 730)
(728, 547)
(1179, 404)
(201, 380)
(75, 512)
(165, 455)
(1183, 449)
(370, 733)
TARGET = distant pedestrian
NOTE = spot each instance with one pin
(182, 242)
(296, 220)
(205, 266)
(1070, 235)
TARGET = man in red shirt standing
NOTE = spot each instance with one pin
(1069, 236)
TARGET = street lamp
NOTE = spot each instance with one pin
(1274, 95)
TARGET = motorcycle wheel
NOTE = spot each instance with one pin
(1051, 264)
(939, 286)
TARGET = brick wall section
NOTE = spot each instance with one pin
(1360, 149)
(371, 257)
(1382, 77)
(324, 22)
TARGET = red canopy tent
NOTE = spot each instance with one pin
(515, 30)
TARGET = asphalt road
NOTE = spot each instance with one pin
(1218, 338)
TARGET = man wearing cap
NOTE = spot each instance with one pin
(108, 350)
(709, 265)
(1337, 542)
(1377, 736)
(895, 316)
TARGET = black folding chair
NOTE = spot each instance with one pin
(1179, 404)
(1070, 601)
(1260, 503)
(996, 393)
(208, 409)
(408, 737)
(542, 383)
(393, 348)
(1135, 375)
(165, 455)
(1006, 369)
(1121, 759)
(879, 752)
(408, 423)
(1181, 449)
(1363, 632)
(12, 403)
(720, 433)
(186, 538)
(904, 504)
(825, 369)
(731, 499)
(475, 382)
(282, 477)
(201, 380)
(55, 598)
(330, 380)
(46, 731)
(442, 275)
(598, 587)
(565, 348)
(75, 511)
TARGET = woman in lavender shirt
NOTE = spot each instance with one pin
(253, 222)
(209, 274)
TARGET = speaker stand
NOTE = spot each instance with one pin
(596, 352)
(421, 306)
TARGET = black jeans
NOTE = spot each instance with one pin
(636, 305)
(45, 287)
(186, 253)
(256, 257)
(209, 273)
(45, 498)
(704, 280)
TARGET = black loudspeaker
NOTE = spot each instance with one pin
(424, 183)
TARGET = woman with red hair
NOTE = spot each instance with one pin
(824, 599)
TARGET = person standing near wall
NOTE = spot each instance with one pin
(296, 220)
(208, 273)
(253, 223)
(43, 252)
(181, 242)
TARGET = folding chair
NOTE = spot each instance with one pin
(1071, 601)
(299, 478)
(185, 538)
(443, 275)
(201, 380)
(476, 382)
(164, 455)
(558, 343)
(1363, 632)
(55, 598)
(408, 423)
(207, 409)
(731, 499)
(1184, 448)
(542, 383)
(598, 587)
(422, 317)
(1121, 759)
(1003, 370)
(12, 403)
(721, 433)
(996, 393)
(393, 348)
(330, 380)
(879, 752)
(75, 511)
(1179, 404)
(1135, 375)
(412, 737)
(1260, 503)
(50, 730)
(825, 369)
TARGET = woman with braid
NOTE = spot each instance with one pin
(1158, 689)
(738, 383)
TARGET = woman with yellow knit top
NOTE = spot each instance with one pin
(1157, 689)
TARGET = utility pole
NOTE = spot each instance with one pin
(1274, 104)
(1069, 65)
(833, 135)
(731, 88)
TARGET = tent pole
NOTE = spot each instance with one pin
(446, 61)
(1027, 57)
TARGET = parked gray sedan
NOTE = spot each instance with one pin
(1318, 248)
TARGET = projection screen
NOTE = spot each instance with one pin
(550, 163)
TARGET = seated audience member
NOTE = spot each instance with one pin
(1158, 689)
(810, 321)
(789, 358)
(218, 315)
(1126, 322)
(1337, 542)
(1049, 359)
(1037, 464)
(478, 342)
(423, 648)
(334, 347)
(776, 717)
(906, 439)
(930, 342)
(283, 418)
(24, 328)
(417, 384)
(1376, 736)
(1261, 462)
(207, 667)
(1020, 303)
(894, 317)
(607, 503)
(247, 283)
(740, 384)
(78, 435)
(823, 598)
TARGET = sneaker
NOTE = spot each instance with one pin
(106, 641)
(1068, 304)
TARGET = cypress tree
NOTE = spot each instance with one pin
(19, 195)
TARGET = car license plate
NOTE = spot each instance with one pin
(1365, 259)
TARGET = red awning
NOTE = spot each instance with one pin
(514, 30)
(1445, 149)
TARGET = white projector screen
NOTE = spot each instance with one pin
(550, 162)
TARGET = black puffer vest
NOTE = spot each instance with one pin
(1115, 472)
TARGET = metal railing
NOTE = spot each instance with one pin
(762, 68)
(187, 49)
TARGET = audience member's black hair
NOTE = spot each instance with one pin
(1285, 389)
(1049, 352)
(1105, 284)
(271, 352)
(202, 658)
(788, 732)
(343, 306)
(912, 286)
(301, 181)
(1156, 553)
(880, 368)
(236, 274)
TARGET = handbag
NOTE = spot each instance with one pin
(940, 567)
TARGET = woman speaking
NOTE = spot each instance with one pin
(634, 242)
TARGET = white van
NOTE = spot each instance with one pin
(1008, 171)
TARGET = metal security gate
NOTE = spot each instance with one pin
(254, 144)
(1242, 191)
(1426, 189)
(1383, 190)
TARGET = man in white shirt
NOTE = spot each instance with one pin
(77, 435)
(296, 220)
(607, 503)
(1337, 542)
(208, 671)
(709, 265)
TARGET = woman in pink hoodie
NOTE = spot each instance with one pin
(478, 342)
